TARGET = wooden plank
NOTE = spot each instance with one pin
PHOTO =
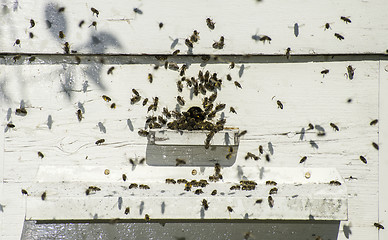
(120, 30)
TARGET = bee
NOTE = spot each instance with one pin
(375, 145)
(166, 112)
(214, 192)
(79, 115)
(145, 101)
(17, 42)
(61, 34)
(265, 38)
(213, 97)
(210, 23)
(267, 157)
(170, 181)
(179, 86)
(133, 185)
(24, 192)
(173, 66)
(273, 191)
(136, 10)
(378, 225)
(310, 127)
(95, 11)
(181, 180)
(237, 84)
(327, 26)
(180, 100)
(195, 36)
(183, 70)
(231, 65)
(229, 155)
(81, 23)
(350, 70)
(220, 107)
(229, 208)
(303, 159)
(363, 159)
(288, 50)
(205, 204)
(100, 141)
(143, 133)
(346, 20)
(106, 98)
(10, 125)
(198, 191)
(21, 112)
(124, 177)
(324, 72)
(31, 59)
(176, 52)
(188, 43)
(207, 144)
(127, 211)
(40, 154)
(17, 57)
(261, 149)
(258, 201)
(228, 77)
(374, 122)
(334, 182)
(339, 36)
(280, 104)
(32, 23)
(66, 48)
(142, 161)
(235, 187)
(161, 25)
(270, 201)
(94, 24)
(113, 105)
(62, 9)
(271, 183)
(220, 44)
(147, 218)
(251, 155)
(110, 70)
(31, 35)
(180, 161)
(144, 186)
(335, 127)
(242, 133)
(135, 92)
(135, 99)
(43, 196)
(150, 77)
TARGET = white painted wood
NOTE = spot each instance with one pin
(306, 95)
(383, 153)
(120, 30)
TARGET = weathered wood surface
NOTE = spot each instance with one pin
(298, 25)
(308, 97)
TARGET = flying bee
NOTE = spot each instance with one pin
(106, 98)
(237, 84)
(40, 154)
(327, 26)
(180, 100)
(100, 141)
(198, 191)
(32, 23)
(210, 23)
(170, 181)
(374, 122)
(335, 182)
(94, 24)
(242, 133)
(180, 161)
(350, 73)
(124, 177)
(17, 42)
(311, 126)
(95, 11)
(147, 218)
(228, 77)
(339, 36)
(324, 72)
(229, 208)
(61, 9)
(363, 159)
(265, 38)
(31, 35)
(205, 204)
(161, 25)
(288, 50)
(270, 201)
(126, 211)
(66, 48)
(346, 20)
(61, 34)
(220, 107)
(280, 104)
(261, 149)
(378, 225)
(150, 78)
(10, 125)
(179, 85)
(135, 99)
(304, 158)
(43, 196)
(188, 43)
(81, 23)
(132, 185)
(79, 115)
(24, 192)
(195, 36)
(145, 101)
(143, 133)
(335, 127)
(375, 145)
(110, 70)
(258, 201)
(137, 10)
